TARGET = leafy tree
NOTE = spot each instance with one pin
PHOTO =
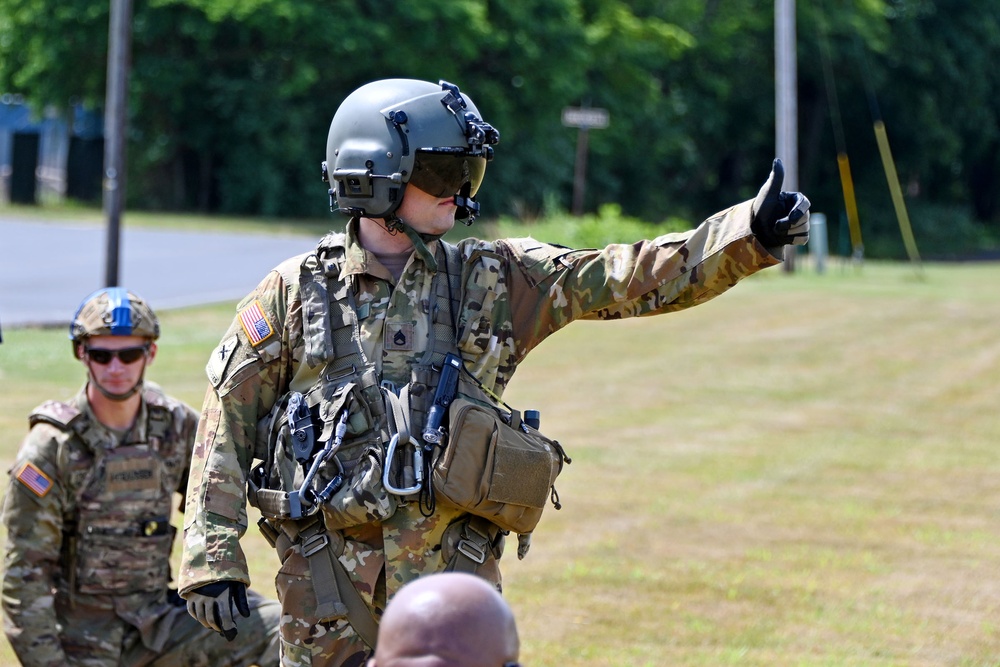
(230, 100)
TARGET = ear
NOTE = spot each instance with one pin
(151, 355)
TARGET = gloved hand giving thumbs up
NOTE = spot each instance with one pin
(779, 218)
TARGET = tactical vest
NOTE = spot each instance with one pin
(117, 536)
(348, 486)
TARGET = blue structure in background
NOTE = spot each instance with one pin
(44, 155)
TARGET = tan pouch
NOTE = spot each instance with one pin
(495, 466)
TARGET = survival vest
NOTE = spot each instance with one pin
(348, 485)
(350, 445)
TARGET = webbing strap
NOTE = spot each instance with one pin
(328, 575)
(399, 415)
(448, 293)
(348, 355)
(475, 545)
(272, 504)
(359, 614)
(316, 548)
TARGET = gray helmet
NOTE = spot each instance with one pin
(113, 311)
(392, 132)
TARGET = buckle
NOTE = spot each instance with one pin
(472, 551)
(314, 544)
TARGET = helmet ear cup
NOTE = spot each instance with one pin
(377, 131)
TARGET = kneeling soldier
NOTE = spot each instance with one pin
(87, 513)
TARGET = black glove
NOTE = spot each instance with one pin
(174, 598)
(779, 218)
(212, 606)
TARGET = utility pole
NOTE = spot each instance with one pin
(786, 103)
(115, 115)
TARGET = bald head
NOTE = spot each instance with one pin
(449, 619)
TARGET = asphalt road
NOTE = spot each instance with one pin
(48, 268)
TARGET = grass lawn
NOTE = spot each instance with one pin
(800, 472)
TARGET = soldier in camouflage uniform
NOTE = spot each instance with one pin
(404, 161)
(87, 513)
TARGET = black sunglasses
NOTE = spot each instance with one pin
(127, 355)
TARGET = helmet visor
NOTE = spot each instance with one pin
(442, 174)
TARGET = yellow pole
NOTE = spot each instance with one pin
(853, 221)
(897, 192)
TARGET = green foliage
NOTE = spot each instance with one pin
(231, 100)
(608, 226)
(941, 231)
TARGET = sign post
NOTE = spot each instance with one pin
(584, 118)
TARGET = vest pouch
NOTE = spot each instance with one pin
(362, 498)
(285, 471)
(114, 564)
(492, 469)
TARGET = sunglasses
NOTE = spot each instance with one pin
(127, 355)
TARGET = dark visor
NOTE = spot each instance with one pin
(443, 174)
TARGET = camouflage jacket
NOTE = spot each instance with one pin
(87, 518)
(516, 293)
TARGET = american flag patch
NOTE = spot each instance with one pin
(255, 323)
(37, 481)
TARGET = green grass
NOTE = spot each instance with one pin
(800, 472)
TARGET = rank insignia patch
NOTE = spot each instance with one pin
(37, 481)
(255, 323)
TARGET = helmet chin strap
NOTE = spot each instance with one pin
(420, 242)
(124, 396)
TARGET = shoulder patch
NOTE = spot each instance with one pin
(216, 366)
(34, 479)
(255, 323)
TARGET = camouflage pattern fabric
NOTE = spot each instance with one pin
(88, 544)
(516, 293)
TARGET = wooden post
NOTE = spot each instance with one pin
(586, 119)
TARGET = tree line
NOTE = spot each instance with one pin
(230, 100)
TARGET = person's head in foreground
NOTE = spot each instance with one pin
(449, 619)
